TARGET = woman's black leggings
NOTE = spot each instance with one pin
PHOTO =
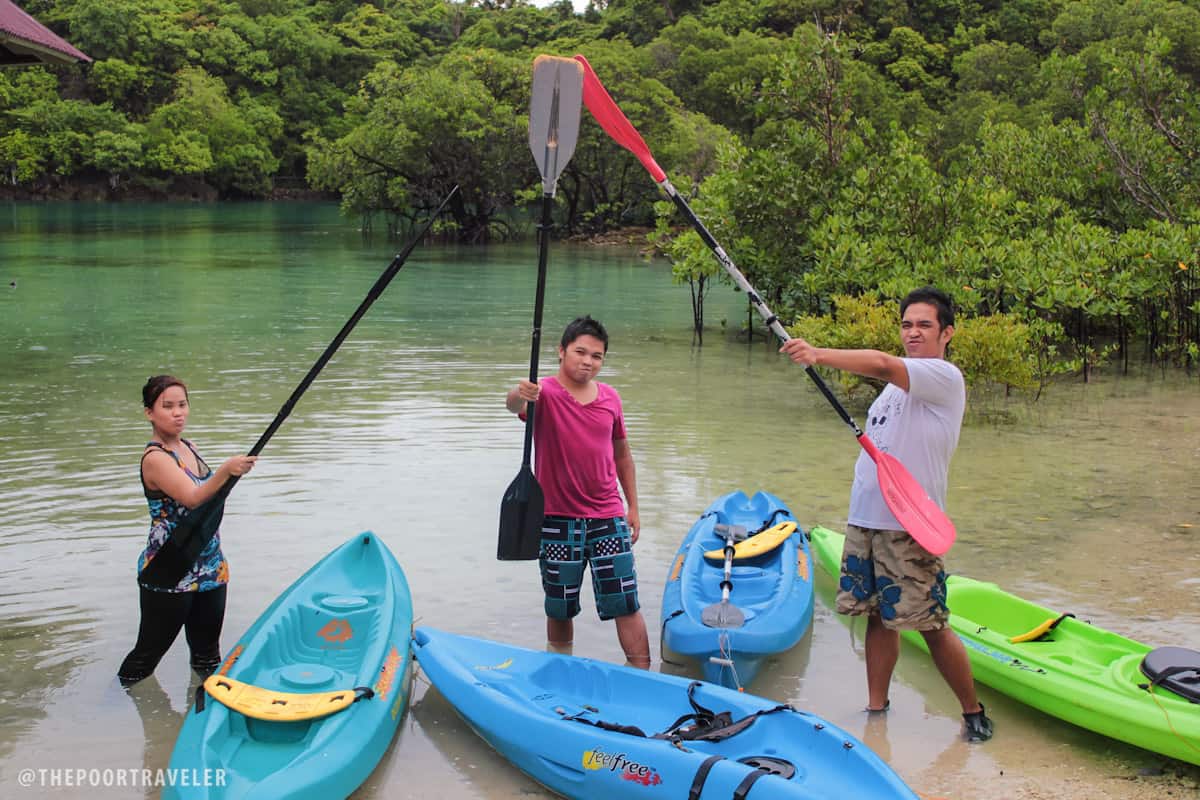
(200, 614)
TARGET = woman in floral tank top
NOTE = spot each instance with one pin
(176, 479)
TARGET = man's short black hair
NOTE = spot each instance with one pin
(934, 297)
(584, 326)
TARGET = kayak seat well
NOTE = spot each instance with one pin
(573, 678)
(331, 629)
(255, 749)
(1012, 617)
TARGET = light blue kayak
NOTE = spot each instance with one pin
(338, 636)
(770, 603)
(585, 729)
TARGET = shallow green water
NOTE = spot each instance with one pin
(1088, 501)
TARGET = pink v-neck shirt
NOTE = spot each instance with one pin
(573, 451)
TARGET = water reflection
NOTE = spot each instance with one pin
(467, 766)
(41, 656)
(160, 725)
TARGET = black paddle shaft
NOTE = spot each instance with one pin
(372, 296)
(196, 529)
(523, 505)
(538, 304)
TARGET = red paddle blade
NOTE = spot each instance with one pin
(913, 508)
(614, 122)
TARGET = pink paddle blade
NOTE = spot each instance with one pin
(914, 509)
(614, 122)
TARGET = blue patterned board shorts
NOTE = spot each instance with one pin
(606, 547)
(888, 573)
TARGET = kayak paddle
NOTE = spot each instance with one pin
(196, 529)
(722, 614)
(554, 105)
(916, 512)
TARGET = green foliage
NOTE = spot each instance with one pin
(856, 323)
(21, 158)
(995, 349)
(386, 162)
(201, 132)
(1039, 159)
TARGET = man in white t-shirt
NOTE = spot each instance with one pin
(886, 576)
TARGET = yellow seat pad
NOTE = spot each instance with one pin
(275, 706)
(756, 545)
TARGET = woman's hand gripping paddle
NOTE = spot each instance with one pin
(916, 512)
(554, 106)
(196, 529)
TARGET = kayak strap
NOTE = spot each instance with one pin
(761, 765)
(707, 725)
(743, 788)
(710, 726)
(767, 522)
(1038, 633)
(701, 776)
(274, 706)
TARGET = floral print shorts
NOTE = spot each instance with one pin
(889, 573)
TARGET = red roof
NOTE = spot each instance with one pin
(25, 40)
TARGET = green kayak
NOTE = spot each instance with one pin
(1063, 666)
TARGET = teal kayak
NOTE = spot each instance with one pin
(770, 600)
(590, 730)
(306, 703)
(1064, 666)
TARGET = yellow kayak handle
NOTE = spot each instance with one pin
(756, 545)
(1040, 631)
(273, 706)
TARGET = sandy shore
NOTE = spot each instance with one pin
(1176, 781)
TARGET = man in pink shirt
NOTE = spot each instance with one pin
(581, 453)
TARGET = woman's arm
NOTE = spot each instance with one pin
(161, 473)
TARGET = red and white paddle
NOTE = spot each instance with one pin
(912, 506)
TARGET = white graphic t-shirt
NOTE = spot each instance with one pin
(920, 428)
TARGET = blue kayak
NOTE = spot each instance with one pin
(306, 703)
(770, 600)
(587, 729)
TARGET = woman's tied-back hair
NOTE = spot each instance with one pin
(934, 297)
(158, 384)
(584, 326)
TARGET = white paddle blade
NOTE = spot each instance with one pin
(555, 101)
